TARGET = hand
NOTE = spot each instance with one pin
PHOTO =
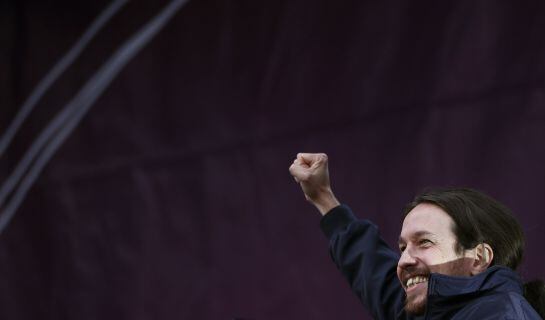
(310, 171)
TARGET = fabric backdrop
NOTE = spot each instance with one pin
(172, 199)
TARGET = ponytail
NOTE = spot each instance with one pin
(534, 292)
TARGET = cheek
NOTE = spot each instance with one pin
(449, 254)
(435, 256)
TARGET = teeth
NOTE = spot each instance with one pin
(416, 280)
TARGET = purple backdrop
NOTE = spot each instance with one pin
(172, 199)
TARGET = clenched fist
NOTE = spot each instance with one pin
(310, 171)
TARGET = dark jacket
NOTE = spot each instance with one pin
(369, 265)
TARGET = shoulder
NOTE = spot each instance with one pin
(506, 305)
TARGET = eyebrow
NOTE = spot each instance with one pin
(417, 234)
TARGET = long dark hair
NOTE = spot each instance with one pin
(479, 218)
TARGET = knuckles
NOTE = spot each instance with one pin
(322, 157)
(300, 166)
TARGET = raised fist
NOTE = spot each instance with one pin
(311, 172)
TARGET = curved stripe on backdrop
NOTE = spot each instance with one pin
(58, 130)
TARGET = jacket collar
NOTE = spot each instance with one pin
(448, 294)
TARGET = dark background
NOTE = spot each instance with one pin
(172, 199)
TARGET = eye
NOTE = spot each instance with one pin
(425, 243)
(402, 247)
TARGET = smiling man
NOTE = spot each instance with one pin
(459, 250)
(427, 244)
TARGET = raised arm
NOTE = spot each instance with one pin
(365, 260)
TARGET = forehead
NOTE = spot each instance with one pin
(427, 218)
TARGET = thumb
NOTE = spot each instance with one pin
(299, 171)
(311, 159)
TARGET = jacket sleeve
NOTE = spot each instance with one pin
(366, 261)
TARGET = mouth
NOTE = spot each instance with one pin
(414, 281)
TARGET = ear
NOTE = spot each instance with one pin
(483, 258)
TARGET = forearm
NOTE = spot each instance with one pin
(325, 201)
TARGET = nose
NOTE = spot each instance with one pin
(406, 259)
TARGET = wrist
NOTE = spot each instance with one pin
(325, 202)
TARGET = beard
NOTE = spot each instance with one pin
(415, 304)
(417, 299)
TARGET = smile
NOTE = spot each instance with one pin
(415, 280)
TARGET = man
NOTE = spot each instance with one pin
(459, 249)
